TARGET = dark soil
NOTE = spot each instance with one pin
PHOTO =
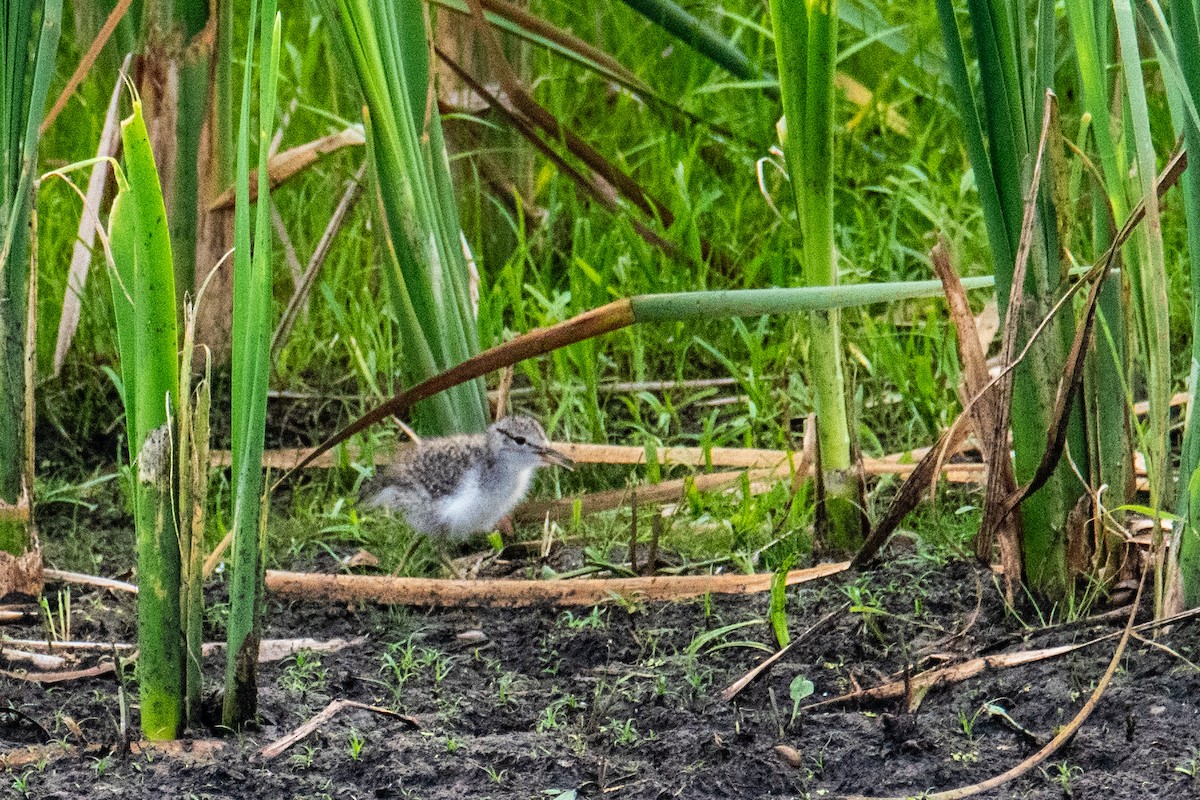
(621, 702)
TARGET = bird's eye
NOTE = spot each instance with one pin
(519, 439)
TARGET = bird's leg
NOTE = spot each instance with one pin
(505, 527)
(450, 565)
(409, 552)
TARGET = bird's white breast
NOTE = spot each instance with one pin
(475, 505)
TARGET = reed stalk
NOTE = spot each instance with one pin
(806, 52)
(1001, 118)
(1185, 26)
(23, 95)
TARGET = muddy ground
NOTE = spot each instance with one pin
(623, 702)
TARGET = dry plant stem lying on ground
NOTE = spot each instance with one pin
(80, 578)
(279, 746)
(742, 457)
(922, 682)
(513, 593)
(741, 683)
(519, 593)
(62, 676)
(194, 750)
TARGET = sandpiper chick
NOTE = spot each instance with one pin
(453, 486)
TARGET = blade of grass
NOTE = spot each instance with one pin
(1148, 279)
(425, 268)
(1186, 539)
(140, 239)
(251, 371)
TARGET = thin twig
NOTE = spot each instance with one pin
(279, 746)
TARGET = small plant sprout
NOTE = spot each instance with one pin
(800, 688)
(1063, 774)
(966, 723)
(778, 611)
(58, 622)
(303, 758)
(504, 684)
(1191, 767)
(303, 673)
(593, 620)
(551, 719)
(624, 734)
(357, 740)
(494, 775)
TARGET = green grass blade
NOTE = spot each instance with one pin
(425, 269)
(121, 278)
(1148, 275)
(681, 24)
(251, 365)
(1186, 30)
(977, 152)
(139, 230)
(1108, 421)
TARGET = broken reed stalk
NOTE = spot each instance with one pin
(23, 93)
(679, 307)
(985, 414)
(1001, 106)
(282, 167)
(1000, 404)
(523, 593)
(192, 468)
(912, 489)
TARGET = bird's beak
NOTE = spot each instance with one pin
(551, 456)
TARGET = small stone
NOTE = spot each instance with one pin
(363, 558)
(789, 755)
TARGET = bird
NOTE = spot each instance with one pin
(452, 487)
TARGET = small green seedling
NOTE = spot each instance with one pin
(800, 688)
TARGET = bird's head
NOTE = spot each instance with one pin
(521, 440)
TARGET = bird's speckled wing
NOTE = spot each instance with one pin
(439, 465)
